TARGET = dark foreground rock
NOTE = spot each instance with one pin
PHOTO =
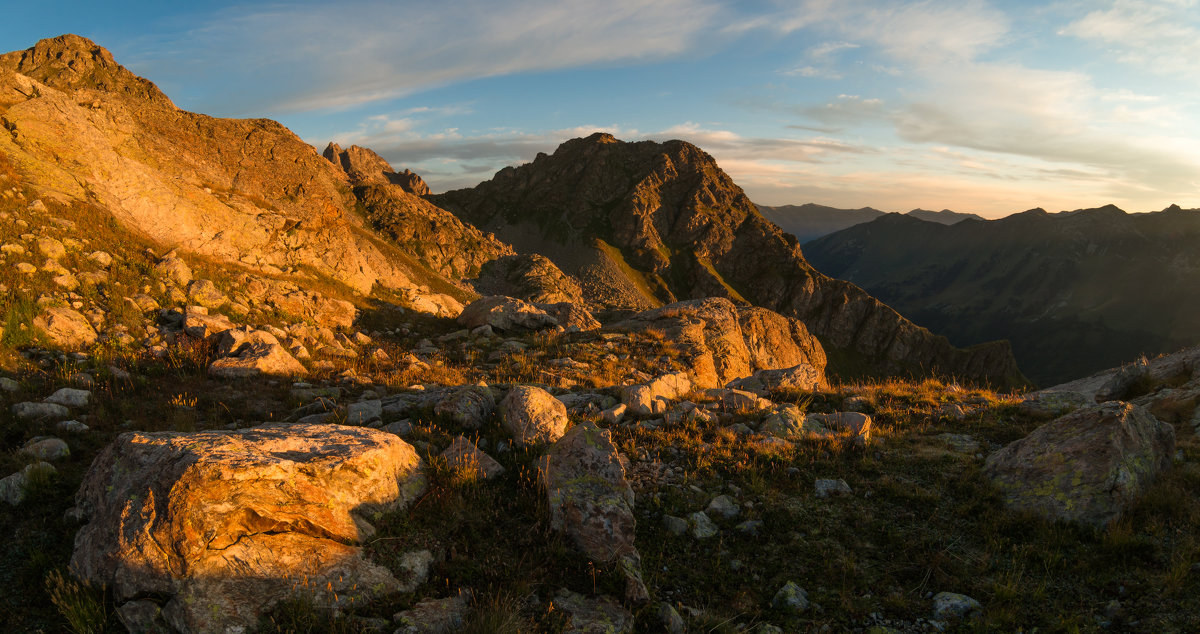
(1085, 467)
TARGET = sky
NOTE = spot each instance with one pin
(984, 107)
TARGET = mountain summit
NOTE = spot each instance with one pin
(643, 224)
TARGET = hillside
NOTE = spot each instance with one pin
(643, 224)
(245, 387)
(1074, 292)
(811, 221)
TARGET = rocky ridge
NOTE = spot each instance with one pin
(644, 224)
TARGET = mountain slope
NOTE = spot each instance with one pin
(811, 221)
(1075, 292)
(643, 224)
(82, 129)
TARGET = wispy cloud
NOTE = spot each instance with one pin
(1160, 36)
(963, 93)
(334, 55)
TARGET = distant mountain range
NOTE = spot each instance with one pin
(811, 221)
(1075, 292)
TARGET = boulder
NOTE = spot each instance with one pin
(468, 406)
(951, 606)
(198, 323)
(505, 313)
(592, 502)
(721, 342)
(655, 397)
(533, 416)
(206, 294)
(1085, 467)
(46, 448)
(592, 615)
(463, 454)
(13, 488)
(224, 525)
(571, 316)
(39, 411)
(175, 270)
(255, 359)
(435, 616)
(65, 327)
(367, 412)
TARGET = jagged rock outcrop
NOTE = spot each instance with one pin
(643, 224)
(364, 167)
(721, 342)
(437, 237)
(528, 276)
(226, 524)
(81, 129)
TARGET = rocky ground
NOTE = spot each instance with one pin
(293, 395)
(647, 475)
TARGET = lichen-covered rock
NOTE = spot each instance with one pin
(1085, 467)
(533, 416)
(39, 411)
(592, 615)
(1053, 403)
(435, 616)
(592, 502)
(468, 406)
(174, 269)
(790, 598)
(954, 606)
(65, 327)
(206, 294)
(226, 524)
(70, 397)
(13, 488)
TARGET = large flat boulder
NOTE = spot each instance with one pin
(65, 327)
(1085, 467)
(226, 524)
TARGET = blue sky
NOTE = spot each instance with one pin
(990, 107)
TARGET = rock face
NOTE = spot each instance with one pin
(365, 167)
(437, 237)
(722, 342)
(643, 224)
(531, 277)
(226, 524)
(505, 313)
(81, 128)
(1085, 467)
(591, 501)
